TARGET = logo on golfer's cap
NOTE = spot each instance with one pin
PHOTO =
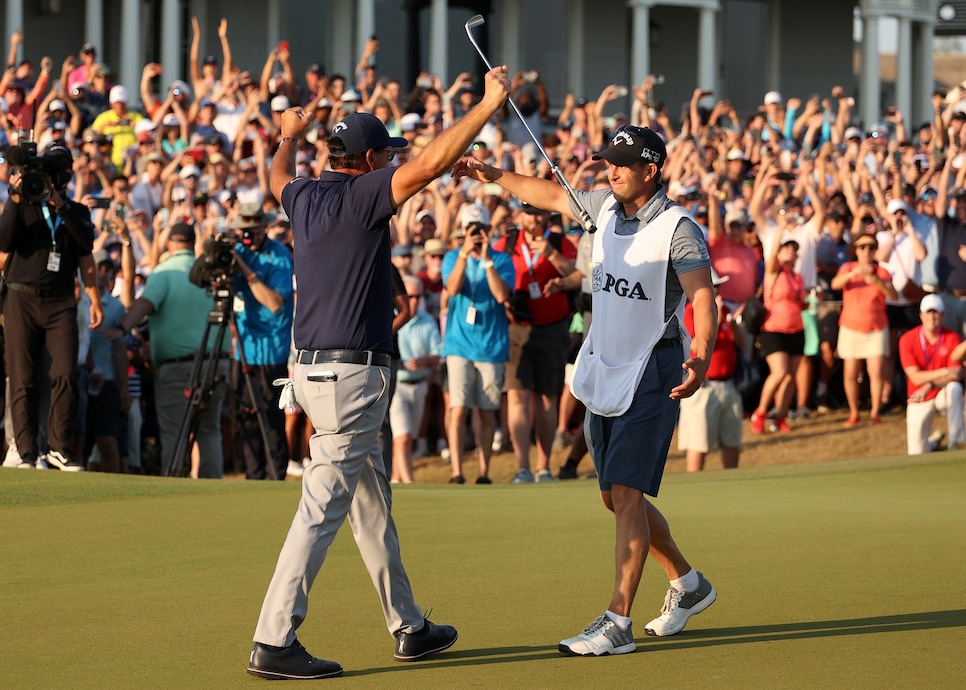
(340, 127)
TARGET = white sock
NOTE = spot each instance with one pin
(687, 583)
(623, 622)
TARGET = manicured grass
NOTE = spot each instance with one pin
(841, 574)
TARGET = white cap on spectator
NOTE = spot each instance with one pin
(736, 215)
(773, 98)
(425, 213)
(410, 122)
(275, 79)
(350, 95)
(189, 171)
(324, 103)
(736, 155)
(56, 104)
(897, 205)
(853, 133)
(474, 214)
(280, 103)
(170, 120)
(932, 303)
(118, 94)
(144, 125)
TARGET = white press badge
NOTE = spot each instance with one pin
(471, 315)
(53, 259)
(535, 292)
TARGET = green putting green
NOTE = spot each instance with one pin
(845, 574)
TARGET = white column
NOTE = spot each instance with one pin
(93, 25)
(904, 58)
(707, 49)
(129, 72)
(437, 40)
(508, 52)
(341, 34)
(773, 60)
(924, 80)
(365, 27)
(274, 12)
(869, 87)
(574, 82)
(13, 19)
(170, 48)
(640, 41)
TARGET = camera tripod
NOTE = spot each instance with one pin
(204, 378)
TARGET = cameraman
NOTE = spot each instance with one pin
(46, 241)
(264, 283)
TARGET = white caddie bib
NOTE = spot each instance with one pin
(629, 281)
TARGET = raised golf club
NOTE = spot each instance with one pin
(584, 218)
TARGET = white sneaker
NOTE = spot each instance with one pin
(679, 607)
(442, 448)
(603, 637)
(294, 469)
(497, 444)
(544, 475)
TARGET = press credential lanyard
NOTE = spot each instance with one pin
(53, 259)
(474, 281)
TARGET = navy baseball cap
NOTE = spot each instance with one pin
(634, 144)
(360, 132)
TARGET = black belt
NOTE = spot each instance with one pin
(43, 294)
(412, 382)
(667, 342)
(186, 358)
(379, 359)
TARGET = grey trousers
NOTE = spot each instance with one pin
(170, 404)
(346, 404)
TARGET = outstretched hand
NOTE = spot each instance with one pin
(696, 369)
(474, 169)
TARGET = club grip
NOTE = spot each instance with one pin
(582, 216)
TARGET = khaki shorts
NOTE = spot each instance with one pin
(474, 384)
(712, 415)
(858, 345)
(406, 408)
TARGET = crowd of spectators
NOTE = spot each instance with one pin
(786, 193)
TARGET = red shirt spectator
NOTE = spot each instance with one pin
(915, 350)
(538, 269)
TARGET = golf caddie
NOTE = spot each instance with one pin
(343, 337)
(634, 366)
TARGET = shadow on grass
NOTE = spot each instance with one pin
(927, 620)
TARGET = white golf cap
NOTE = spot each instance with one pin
(932, 303)
(773, 97)
(897, 205)
(474, 214)
(118, 94)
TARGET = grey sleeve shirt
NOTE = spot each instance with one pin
(689, 249)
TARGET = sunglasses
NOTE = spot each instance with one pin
(390, 153)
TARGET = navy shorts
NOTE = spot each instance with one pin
(631, 450)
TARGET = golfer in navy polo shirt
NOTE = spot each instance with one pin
(340, 224)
